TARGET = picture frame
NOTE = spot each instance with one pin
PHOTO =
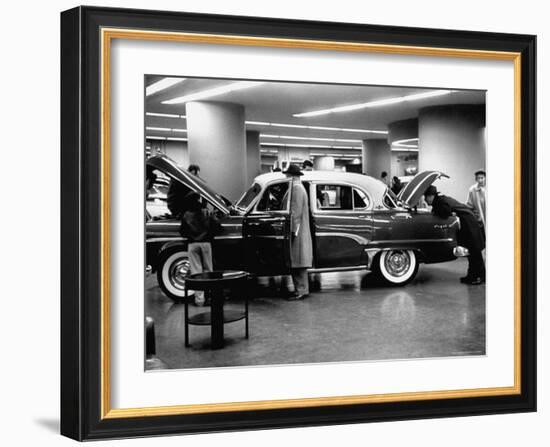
(86, 37)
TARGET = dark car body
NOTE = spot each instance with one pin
(356, 223)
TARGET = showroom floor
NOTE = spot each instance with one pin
(345, 318)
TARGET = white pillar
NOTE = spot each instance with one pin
(452, 140)
(376, 157)
(217, 143)
(253, 156)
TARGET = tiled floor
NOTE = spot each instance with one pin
(347, 317)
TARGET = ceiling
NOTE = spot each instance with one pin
(276, 102)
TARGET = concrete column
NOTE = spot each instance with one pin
(452, 140)
(376, 157)
(253, 156)
(177, 151)
(217, 143)
(324, 163)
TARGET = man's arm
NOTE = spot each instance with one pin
(296, 204)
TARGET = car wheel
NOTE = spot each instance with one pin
(397, 267)
(172, 271)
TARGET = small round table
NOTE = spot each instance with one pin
(216, 283)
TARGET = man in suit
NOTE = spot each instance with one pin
(469, 235)
(301, 250)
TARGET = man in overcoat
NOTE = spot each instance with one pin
(469, 235)
(301, 249)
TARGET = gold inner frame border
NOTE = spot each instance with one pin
(107, 35)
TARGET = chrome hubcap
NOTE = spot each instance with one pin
(178, 272)
(397, 262)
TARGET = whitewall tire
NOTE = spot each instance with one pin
(397, 267)
(172, 270)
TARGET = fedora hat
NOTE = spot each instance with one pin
(293, 170)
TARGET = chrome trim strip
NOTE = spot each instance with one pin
(337, 269)
(168, 239)
(407, 241)
(157, 223)
(355, 237)
(267, 236)
(165, 239)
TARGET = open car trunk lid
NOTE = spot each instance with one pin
(171, 169)
(411, 193)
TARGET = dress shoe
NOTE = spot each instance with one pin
(476, 281)
(296, 297)
(465, 279)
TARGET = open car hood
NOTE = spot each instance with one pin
(172, 170)
(411, 193)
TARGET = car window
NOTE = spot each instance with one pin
(274, 198)
(334, 197)
(389, 200)
(249, 196)
(360, 200)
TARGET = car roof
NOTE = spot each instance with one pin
(375, 187)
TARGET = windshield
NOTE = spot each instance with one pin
(390, 199)
(248, 197)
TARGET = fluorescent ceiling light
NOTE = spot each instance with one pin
(163, 84)
(291, 137)
(209, 93)
(377, 103)
(303, 126)
(407, 143)
(258, 123)
(176, 139)
(321, 146)
(402, 149)
(149, 137)
(165, 129)
(165, 115)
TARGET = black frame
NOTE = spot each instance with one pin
(81, 223)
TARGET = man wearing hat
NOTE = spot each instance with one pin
(469, 235)
(301, 251)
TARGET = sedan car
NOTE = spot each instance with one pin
(357, 223)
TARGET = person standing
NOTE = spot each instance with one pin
(175, 199)
(384, 178)
(476, 198)
(199, 227)
(396, 185)
(301, 249)
(469, 235)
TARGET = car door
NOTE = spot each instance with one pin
(342, 226)
(266, 231)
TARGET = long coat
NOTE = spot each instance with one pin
(301, 249)
(470, 235)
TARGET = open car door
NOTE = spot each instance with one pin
(414, 190)
(266, 232)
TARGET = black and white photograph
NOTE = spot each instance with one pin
(299, 223)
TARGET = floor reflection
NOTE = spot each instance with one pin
(347, 317)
